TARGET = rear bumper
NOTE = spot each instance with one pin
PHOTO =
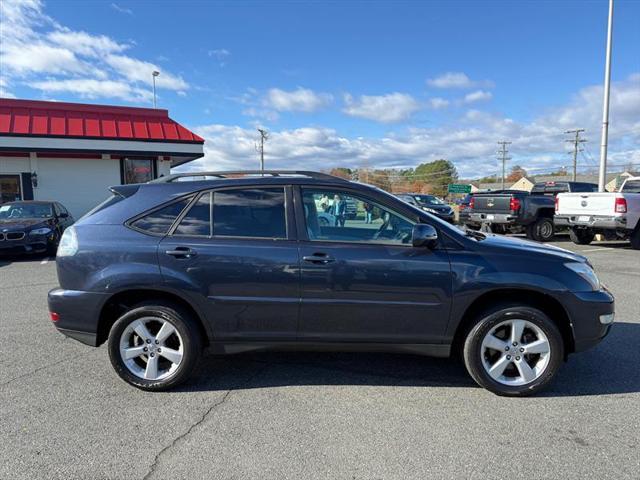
(604, 222)
(501, 218)
(586, 311)
(78, 313)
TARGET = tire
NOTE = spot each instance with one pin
(542, 230)
(635, 238)
(185, 339)
(479, 358)
(581, 236)
(52, 247)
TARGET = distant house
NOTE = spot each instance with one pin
(71, 152)
(524, 184)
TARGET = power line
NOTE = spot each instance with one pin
(576, 141)
(503, 157)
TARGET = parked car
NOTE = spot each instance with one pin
(164, 269)
(616, 213)
(515, 211)
(32, 226)
(429, 203)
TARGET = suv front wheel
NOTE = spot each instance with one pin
(155, 346)
(514, 351)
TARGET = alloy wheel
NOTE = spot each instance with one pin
(515, 352)
(151, 348)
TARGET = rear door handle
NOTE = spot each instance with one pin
(182, 252)
(318, 258)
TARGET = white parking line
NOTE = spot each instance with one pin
(45, 261)
(599, 250)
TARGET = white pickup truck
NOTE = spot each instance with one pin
(613, 214)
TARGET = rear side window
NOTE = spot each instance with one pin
(197, 220)
(256, 212)
(160, 221)
(632, 186)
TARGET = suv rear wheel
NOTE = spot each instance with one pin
(155, 346)
(581, 236)
(542, 230)
(513, 351)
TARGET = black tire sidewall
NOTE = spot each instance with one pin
(192, 346)
(473, 355)
(537, 227)
(581, 236)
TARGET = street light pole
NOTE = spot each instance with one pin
(605, 107)
(154, 74)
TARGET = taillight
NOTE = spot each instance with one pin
(54, 316)
(472, 203)
(621, 205)
(557, 203)
(514, 204)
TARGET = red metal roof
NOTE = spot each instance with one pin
(79, 120)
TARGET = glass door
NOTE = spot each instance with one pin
(10, 190)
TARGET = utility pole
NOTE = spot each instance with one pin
(605, 104)
(576, 141)
(264, 136)
(154, 74)
(503, 156)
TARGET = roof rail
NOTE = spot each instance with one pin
(241, 173)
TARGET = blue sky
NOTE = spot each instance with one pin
(375, 84)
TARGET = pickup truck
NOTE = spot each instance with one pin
(516, 210)
(611, 213)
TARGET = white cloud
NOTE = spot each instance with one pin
(457, 80)
(477, 96)
(92, 88)
(437, 103)
(539, 145)
(299, 100)
(38, 52)
(220, 54)
(121, 9)
(390, 108)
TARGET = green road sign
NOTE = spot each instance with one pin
(459, 188)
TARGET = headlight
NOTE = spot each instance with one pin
(586, 272)
(68, 243)
(430, 210)
(40, 231)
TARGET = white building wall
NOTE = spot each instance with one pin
(79, 184)
(14, 165)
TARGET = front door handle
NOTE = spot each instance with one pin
(318, 258)
(182, 252)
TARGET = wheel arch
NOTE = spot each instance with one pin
(120, 302)
(510, 296)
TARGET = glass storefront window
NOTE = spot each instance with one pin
(10, 188)
(137, 170)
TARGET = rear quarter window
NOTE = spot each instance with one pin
(159, 221)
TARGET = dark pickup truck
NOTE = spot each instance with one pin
(513, 211)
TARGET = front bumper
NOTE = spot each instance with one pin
(604, 222)
(27, 244)
(585, 311)
(500, 218)
(78, 313)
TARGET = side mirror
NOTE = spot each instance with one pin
(64, 215)
(424, 235)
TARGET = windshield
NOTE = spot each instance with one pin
(25, 210)
(631, 186)
(428, 200)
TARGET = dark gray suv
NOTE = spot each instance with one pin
(238, 261)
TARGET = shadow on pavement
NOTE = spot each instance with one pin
(610, 368)
(6, 260)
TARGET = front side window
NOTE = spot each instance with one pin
(254, 212)
(332, 215)
(160, 221)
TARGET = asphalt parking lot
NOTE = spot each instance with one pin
(65, 414)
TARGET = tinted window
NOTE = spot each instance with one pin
(365, 222)
(255, 212)
(161, 220)
(584, 187)
(197, 221)
(632, 186)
